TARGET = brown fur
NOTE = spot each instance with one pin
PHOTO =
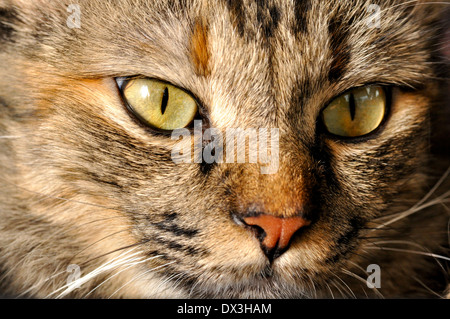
(199, 48)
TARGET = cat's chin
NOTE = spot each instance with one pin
(271, 282)
(256, 288)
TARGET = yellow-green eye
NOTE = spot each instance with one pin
(357, 112)
(159, 104)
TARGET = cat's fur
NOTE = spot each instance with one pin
(82, 183)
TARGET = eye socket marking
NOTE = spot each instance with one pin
(356, 113)
(157, 104)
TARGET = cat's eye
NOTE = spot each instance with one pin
(158, 104)
(356, 113)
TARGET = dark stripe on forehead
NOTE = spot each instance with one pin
(7, 17)
(301, 8)
(266, 22)
(237, 14)
(268, 18)
(340, 50)
(179, 5)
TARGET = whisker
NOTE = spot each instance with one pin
(414, 209)
(428, 288)
(139, 276)
(41, 282)
(335, 284)
(345, 284)
(179, 281)
(313, 286)
(434, 188)
(169, 279)
(352, 274)
(115, 250)
(331, 292)
(128, 267)
(97, 241)
(420, 204)
(192, 288)
(410, 251)
(109, 265)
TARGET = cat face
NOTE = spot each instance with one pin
(89, 181)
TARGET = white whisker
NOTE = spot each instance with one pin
(192, 288)
(438, 200)
(329, 289)
(139, 276)
(428, 288)
(129, 265)
(335, 284)
(352, 274)
(110, 265)
(420, 204)
(345, 284)
(313, 286)
(411, 252)
(40, 283)
(170, 278)
(406, 242)
(434, 188)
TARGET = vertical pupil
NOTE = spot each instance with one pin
(165, 99)
(352, 106)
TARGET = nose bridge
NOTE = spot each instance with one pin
(283, 194)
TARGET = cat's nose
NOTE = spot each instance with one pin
(274, 233)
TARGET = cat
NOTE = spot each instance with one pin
(93, 203)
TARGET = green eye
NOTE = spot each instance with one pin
(159, 104)
(356, 113)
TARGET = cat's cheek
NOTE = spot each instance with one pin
(99, 95)
(408, 109)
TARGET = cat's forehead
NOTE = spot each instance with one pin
(224, 32)
(246, 52)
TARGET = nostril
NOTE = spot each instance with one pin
(274, 233)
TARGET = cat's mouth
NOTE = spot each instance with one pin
(286, 276)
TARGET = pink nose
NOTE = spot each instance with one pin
(278, 232)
